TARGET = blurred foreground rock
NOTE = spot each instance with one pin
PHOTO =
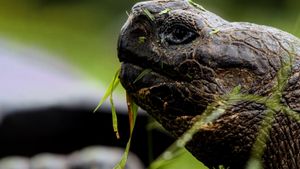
(88, 158)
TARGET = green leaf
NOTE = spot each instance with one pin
(168, 157)
(142, 39)
(114, 117)
(109, 92)
(167, 10)
(149, 15)
(122, 163)
(127, 13)
(144, 72)
(132, 112)
(254, 164)
(112, 86)
(134, 108)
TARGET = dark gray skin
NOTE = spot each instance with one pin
(196, 57)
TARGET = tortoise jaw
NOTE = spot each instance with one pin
(132, 80)
(156, 92)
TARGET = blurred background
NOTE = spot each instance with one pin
(56, 59)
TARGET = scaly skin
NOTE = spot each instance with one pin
(196, 57)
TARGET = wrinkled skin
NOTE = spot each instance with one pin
(195, 57)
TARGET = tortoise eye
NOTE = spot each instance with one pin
(179, 34)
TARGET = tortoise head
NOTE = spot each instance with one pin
(192, 57)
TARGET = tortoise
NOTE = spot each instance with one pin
(196, 57)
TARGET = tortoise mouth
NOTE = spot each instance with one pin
(156, 92)
(134, 77)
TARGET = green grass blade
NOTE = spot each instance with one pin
(109, 92)
(112, 86)
(167, 10)
(114, 117)
(122, 163)
(116, 82)
(142, 39)
(144, 72)
(254, 164)
(134, 108)
(132, 112)
(167, 157)
(148, 14)
(196, 5)
(214, 31)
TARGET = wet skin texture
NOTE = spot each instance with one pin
(195, 57)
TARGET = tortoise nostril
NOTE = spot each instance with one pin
(140, 27)
(139, 32)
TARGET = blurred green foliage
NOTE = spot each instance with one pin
(85, 32)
